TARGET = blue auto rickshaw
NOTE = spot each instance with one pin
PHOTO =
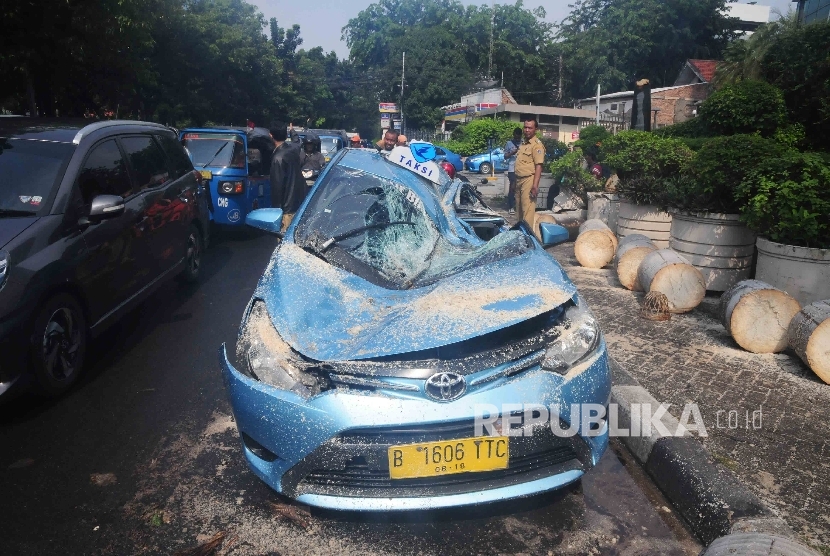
(236, 162)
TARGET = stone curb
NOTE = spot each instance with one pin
(710, 497)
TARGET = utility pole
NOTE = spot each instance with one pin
(403, 72)
(559, 94)
(492, 25)
(598, 103)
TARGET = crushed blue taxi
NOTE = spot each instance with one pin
(383, 325)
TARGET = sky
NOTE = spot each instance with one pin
(321, 21)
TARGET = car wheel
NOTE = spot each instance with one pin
(485, 168)
(59, 338)
(193, 255)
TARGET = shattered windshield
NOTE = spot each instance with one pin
(384, 231)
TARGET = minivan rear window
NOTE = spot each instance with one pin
(29, 173)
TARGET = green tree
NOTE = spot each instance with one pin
(799, 65)
(742, 58)
(447, 50)
(614, 42)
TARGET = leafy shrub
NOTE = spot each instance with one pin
(591, 138)
(792, 135)
(717, 170)
(694, 143)
(569, 170)
(695, 127)
(788, 200)
(744, 107)
(554, 149)
(799, 64)
(643, 162)
(471, 138)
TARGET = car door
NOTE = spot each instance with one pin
(498, 160)
(166, 207)
(115, 265)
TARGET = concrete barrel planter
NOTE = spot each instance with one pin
(802, 272)
(605, 207)
(647, 220)
(718, 245)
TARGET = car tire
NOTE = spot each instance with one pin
(485, 168)
(58, 344)
(194, 248)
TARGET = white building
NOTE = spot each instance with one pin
(750, 15)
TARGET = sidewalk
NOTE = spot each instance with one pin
(691, 359)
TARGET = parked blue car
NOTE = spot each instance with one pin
(485, 162)
(236, 162)
(383, 327)
(444, 153)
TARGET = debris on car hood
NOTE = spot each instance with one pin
(329, 314)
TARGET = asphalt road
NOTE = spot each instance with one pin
(142, 457)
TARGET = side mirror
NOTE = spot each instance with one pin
(266, 219)
(106, 206)
(552, 234)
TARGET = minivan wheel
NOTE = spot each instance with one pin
(193, 255)
(59, 339)
(485, 168)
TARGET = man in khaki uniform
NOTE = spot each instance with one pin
(529, 161)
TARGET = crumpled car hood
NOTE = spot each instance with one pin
(328, 314)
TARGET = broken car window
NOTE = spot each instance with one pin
(392, 229)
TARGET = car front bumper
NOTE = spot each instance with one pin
(13, 346)
(331, 450)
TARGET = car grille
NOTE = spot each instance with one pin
(355, 463)
(358, 475)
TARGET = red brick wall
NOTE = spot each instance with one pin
(671, 103)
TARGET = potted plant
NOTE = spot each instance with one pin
(786, 200)
(644, 163)
(706, 225)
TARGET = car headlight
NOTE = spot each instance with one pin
(5, 263)
(263, 355)
(578, 338)
(231, 187)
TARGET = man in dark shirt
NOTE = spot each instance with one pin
(288, 186)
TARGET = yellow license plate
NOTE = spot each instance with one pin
(207, 174)
(433, 459)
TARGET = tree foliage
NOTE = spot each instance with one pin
(615, 42)
(447, 49)
(799, 65)
(473, 137)
(179, 62)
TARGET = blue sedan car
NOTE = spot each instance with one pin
(443, 153)
(390, 359)
(485, 162)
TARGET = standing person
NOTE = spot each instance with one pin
(528, 167)
(510, 150)
(288, 187)
(390, 139)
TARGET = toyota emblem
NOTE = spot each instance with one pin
(445, 387)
